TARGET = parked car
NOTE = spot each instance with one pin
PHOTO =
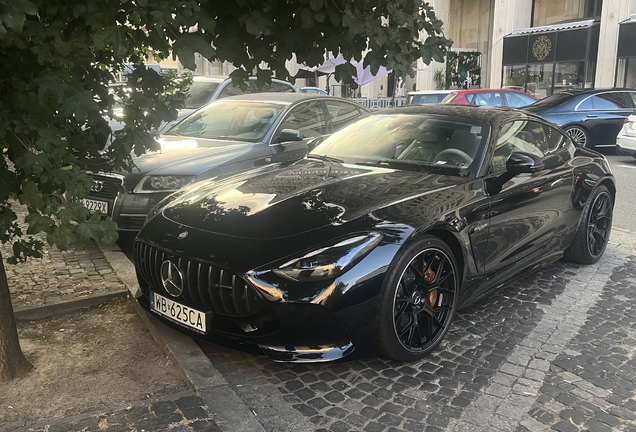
(205, 89)
(422, 97)
(378, 236)
(592, 117)
(626, 139)
(490, 97)
(313, 90)
(230, 134)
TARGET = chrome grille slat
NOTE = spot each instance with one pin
(209, 287)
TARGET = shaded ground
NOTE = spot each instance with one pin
(97, 360)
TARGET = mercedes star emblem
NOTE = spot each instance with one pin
(171, 278)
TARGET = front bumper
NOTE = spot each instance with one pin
(626, 145)
(126, 209)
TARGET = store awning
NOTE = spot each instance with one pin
(555, 27)
(363, 75)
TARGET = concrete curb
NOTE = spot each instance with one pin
(230, 412)
(61, 308)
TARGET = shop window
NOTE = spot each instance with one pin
(593, 8)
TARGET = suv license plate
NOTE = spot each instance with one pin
(95, 206)
(180, 314)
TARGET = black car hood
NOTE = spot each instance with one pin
(185, 156)
(308, 195)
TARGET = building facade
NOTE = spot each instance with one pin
(543, 46)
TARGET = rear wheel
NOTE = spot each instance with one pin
(579, 135)
(594, 231)
(418, 301)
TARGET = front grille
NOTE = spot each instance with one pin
(217, 289)
(105, 187)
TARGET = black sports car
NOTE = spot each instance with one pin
(378, 236)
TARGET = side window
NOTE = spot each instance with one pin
(471, 99)
(602, 102)
(517, 100)
(282, 87)
(518, 136)
(554, 139)
(308, 118)
(490, 99)
(632, 95)
(618, 98)
(585, 104)
(341, 114)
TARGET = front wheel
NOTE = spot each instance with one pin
(579, 135)
(594, 230)
(418, 300)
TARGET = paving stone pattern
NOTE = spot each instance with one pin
(554, 351)
(184, 414)
(59, 276)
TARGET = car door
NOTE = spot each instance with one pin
(308, 118)
(604, 115)
(525, 214)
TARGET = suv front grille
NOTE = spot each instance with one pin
(219, 290)
(105, 187)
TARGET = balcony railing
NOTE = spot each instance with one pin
(380, 103)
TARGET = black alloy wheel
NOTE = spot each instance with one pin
(418, 301)
(594, 231)
(579, 135)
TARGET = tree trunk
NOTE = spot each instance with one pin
(13, 364)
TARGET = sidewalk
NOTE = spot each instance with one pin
(89, 275)
(280, 394)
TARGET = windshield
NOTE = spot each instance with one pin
(200, 93)
(407, 141)
(230, 120)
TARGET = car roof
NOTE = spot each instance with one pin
(586, 91)
(221, 78)
(466, 113)
(281, 97)
(420, 92)
(484, 90)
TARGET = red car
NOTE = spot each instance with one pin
(491, 97)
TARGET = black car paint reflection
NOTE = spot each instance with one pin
(249, 227)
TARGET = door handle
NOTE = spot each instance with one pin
(592, 116)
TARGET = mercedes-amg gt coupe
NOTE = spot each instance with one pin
(377, 237)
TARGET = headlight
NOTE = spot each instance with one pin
(163, 183)
(331, 261)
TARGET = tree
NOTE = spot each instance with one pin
(59, 57)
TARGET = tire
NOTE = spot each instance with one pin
(418, 300)
(594, 229)
(579, 135)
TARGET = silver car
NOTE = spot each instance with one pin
(228, 135)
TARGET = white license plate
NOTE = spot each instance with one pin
(183, 315)
(95, 206)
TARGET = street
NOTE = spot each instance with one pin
(624, 169)
(551, 351)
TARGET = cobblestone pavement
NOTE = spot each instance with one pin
(60, 276)
(180, 413)
(554, 351)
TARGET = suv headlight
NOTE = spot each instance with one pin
(331, 261)
(163, 183)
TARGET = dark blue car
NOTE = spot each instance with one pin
(592, 117)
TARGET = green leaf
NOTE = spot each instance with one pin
(190, 43)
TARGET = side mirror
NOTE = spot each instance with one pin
(289, 135)
(523, 163)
